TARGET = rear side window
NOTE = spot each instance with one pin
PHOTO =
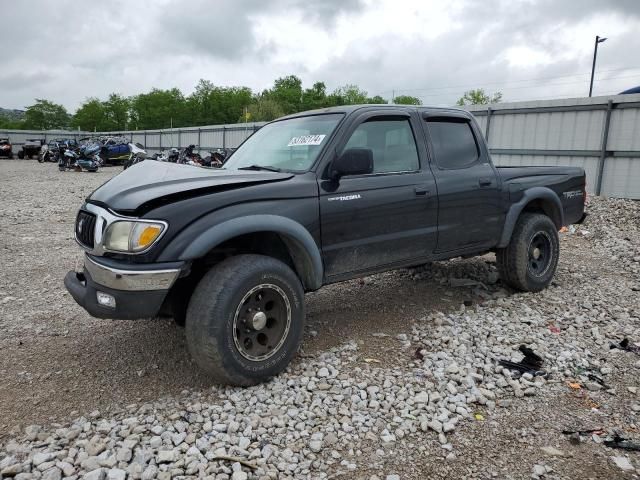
(454, 144)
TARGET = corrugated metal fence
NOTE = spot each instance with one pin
(206, 138)
(600, 134)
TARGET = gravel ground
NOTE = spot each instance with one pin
(398, 377)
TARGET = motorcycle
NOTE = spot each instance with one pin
(67, 159)
(174, 155)
(189, 157)
(89, 158)
(51, 152)
(137, 154)
(84, 158)
(216, 158)
(45, 154)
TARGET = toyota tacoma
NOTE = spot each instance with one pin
(310, 199)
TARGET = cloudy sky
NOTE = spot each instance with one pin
(68, 50)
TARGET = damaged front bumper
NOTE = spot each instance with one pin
(109, 289)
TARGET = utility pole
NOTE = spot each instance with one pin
(595, 54)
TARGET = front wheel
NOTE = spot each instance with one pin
(529, 262)
(245, 319)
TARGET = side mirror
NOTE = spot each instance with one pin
(353, 161)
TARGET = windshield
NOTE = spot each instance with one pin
(292, 144)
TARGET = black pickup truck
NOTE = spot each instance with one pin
(310, 199)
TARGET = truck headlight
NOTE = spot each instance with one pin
(132, 236)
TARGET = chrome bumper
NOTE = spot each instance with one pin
(132, 280)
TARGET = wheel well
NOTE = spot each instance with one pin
(270, 244)
(545, 207)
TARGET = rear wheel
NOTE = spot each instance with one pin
(245, 319)
(529, 262)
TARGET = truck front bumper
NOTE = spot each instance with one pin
(108, 289)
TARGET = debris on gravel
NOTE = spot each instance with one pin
(435, 403)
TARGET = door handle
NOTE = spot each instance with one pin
(421, 190)
(485, 182)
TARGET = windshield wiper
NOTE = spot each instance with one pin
(261, 167)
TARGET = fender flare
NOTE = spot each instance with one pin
(534, 193)
(301, 245)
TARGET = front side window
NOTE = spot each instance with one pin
(292, 144)
(454, 144)
(391, 141)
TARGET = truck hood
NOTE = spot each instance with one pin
(162, 182)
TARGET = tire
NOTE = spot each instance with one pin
(231, 290)
(21, 155)
(530, 260)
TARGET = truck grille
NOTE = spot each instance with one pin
(85, 226)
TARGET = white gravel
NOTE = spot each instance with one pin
(432, 403)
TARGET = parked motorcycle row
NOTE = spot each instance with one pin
(91, 153)
(186, 156)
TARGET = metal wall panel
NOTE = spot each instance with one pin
(621, 178)
(482, 123)
(152, 141)
(211, 139)
(190, 137)
(138, 137)
(624, 131)
(549, 131)
(235, 137)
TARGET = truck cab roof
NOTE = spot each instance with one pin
(349, 109)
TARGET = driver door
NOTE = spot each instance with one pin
(388, 217)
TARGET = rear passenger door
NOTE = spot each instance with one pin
(386, 217)
(469, 201)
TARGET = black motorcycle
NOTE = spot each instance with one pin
(189, 157)
(215, 159)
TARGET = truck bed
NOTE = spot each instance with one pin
(568, 183)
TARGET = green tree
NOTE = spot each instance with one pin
(377, 99)
(199, 105)
(11, 124)
(350, 95)
(478, 97)
(116, 112)
(315, 97)
(90, 116)
(263, 109)
(159, 109)
(45, 115)
(287, 92)
(213, 105)
(407, 100)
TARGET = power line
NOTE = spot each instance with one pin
(532, 86)
(509, 82)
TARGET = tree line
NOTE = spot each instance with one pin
(207, 105)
